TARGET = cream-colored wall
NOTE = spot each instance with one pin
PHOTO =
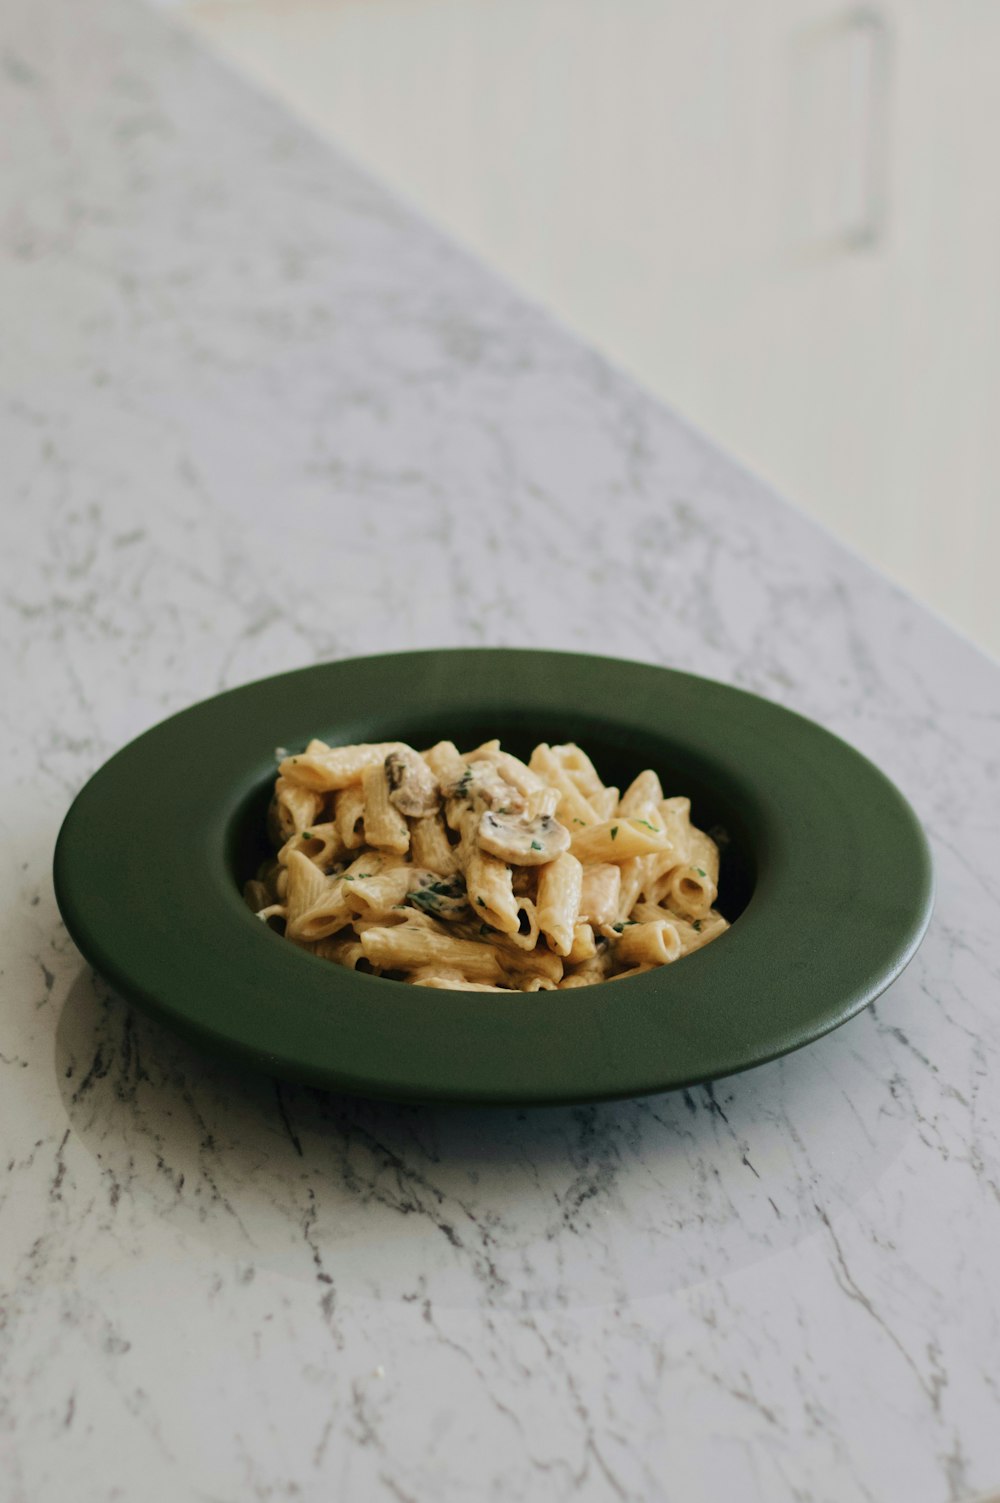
(782, 216)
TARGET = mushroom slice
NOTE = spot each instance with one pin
(521, 840)
(481, 785)
(413, 788)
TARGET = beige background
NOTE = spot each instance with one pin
(784, 218)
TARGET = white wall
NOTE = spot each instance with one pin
(783, 216)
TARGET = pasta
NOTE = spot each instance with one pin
(478, 871)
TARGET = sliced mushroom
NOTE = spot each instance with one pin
(520, 840)
(413, 788)
(480, 786)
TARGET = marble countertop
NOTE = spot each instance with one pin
(244, 396)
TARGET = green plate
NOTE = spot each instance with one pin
(826, 876)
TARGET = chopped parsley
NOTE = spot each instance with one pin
(626, 924)
(655, 828)
(482, 902)
(346, 878)
(696, 926)
(484, 928)
(536, 845)
(460, 789)
(700, 872)
(614, 831)
(580, 822)
(307, 835)
(444, 898)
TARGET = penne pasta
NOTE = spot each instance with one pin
(692, 888)
(619, 839)
(321, 844)
(293, 808)
(584, 946)
(325, 768)
(349, 816)
(480, 871)
(600, 893)
(641, 792)
(559, 887)
(405, 947)
(491, 893)
(385, 828)
(655, 943)
(430, 846)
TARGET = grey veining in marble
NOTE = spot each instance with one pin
(244, 395)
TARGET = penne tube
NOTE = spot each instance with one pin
(349, 816)
(377, 895)
(491, 891)
(445, 762)
(584, 946)
(293, 808)
(346, 950)
(692, 888)
(656, 943)
(307, 886)
(559, 887)
(430, 846)
(600, 893)
(633, 875)
(455, 984)
(321, 844)
(697, 932)
(573, 808)
(536, 962)
(325, 768)
(642, 791)
(542, 804)
(605, 803)
(579, 768)
(405, 947)
(526, 937)
(619, 839)
(591, 972)
(675, 816)
(385, 827)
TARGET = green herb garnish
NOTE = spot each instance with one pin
(614, 831)
(481, 902)
(655, 828)
(696, 926)
(535, 846)
(580, 822)
(700, 872)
